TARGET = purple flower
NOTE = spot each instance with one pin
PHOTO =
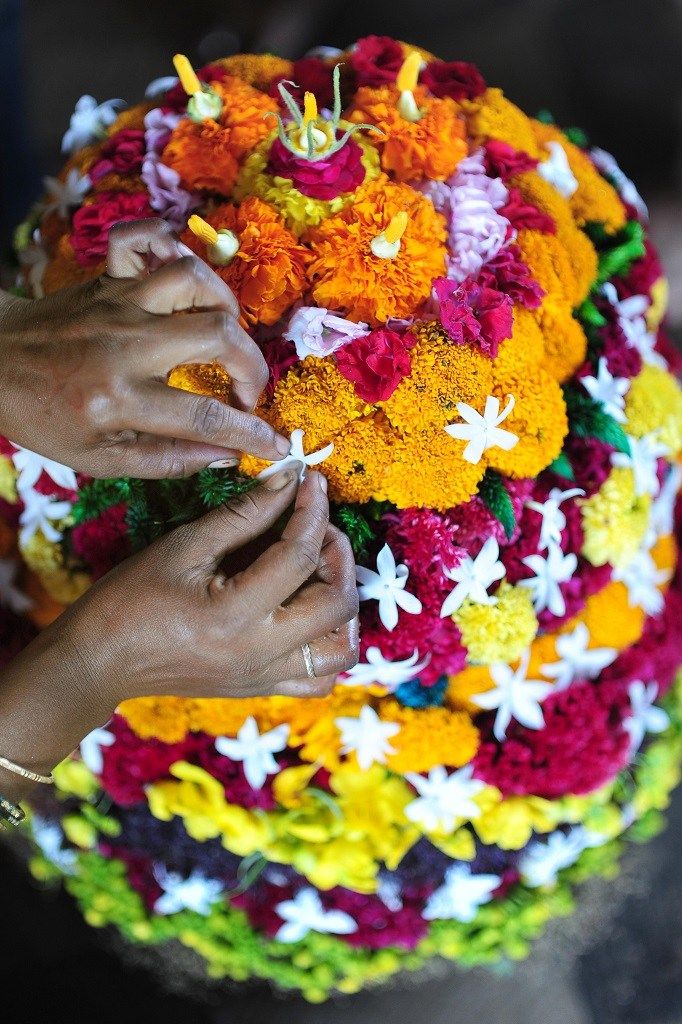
(170, 201)
(317, 332)
(158, 125)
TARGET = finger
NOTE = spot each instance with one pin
(331, 655)
(189, 283)
(287, 565)
(137, 247)
(170, 412)
(159, 458)
(302, 688)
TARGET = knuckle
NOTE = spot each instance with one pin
(209, 417)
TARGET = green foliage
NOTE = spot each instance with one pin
(616, 252)
(577, 136)
(495, 497)
(100, 495)
(562, 467)
(353, 522)
(588, 418)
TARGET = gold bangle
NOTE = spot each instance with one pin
(25, 773)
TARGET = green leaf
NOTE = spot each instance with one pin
(562, 467)
(495, 497)
(589, 315)
(545, 116)
(588, 418)
(577, 136)
(617, 252)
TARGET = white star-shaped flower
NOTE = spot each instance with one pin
(645, 716)
(483, 432)
(41, 513)
(662, 517)
(196, 892)
(631, 308)
(10, 595)
(557, 170)
(387, 586)
(473, 576)
(608, 165)
(255, 750)
(367, 736)
(89, 122)
(550, 572)
(443, 799)
(608, 390)
(388, 891)
(31, 467)
(643, 461)
(460, 895)
(305, 913)
(158, 86)
(637, 333)
(553, 518)
(577, 660)
(91, 749)
(49, 838)
(66, 194)
(297, 455)
(542, 861)
(514, 696)
(34, 260)
(643, 578)
(391, 674)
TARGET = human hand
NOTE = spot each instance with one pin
(83, 377)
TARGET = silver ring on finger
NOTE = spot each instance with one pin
(309, 663)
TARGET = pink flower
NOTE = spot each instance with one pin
(166, 196)
(319, 179)
(474, 315)
(377, 60)
(92, 222)
(509, 274)
(158, 126)
(122, 153)
(455, 78)
(376, 363)
(317, 332)
(503, 161)
(521, 214)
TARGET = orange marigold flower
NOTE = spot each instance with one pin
(160, 718)
(538, 419)
(430, 472)
(268, 272)
(120, 183)
(550, 264)
(362, 451)
(466, 684)
(218, 716)
(610, 618)
(347, 276)
(565, 340)
(411, 150)
(526, 344)
(45, 609)
(493, 116)
(202, 155)
(64, 270)
(257, 69)
(429, 736)
(209, 379)
(664, 554)
(595, 199)
(244, 110)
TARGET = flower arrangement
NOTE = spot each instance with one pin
(462, 315)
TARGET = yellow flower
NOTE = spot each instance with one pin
(538, 419)
(47, 561)
(460, 845)
(615, 520)
(654, 404)
(257, 69)
(493, 116)
(8, 480)
(289, 787)
(511, 821)
(660, 293)
(565, 340)
(429, 736)
(610, 618)
(498, 632)
(161, 718)
(373, 805)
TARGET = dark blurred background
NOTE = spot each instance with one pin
(614, 68)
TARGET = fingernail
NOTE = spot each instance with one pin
(282, 445)
(185, 250)
(322, 481)
(223, 464)
(280, 480)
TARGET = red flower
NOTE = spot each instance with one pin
(102, 542)
(92, 222)
(376, 363)
(623, 360)
(310, 75)
(176, 98)
(454, 78)
(642, 275)
(474, 315)
(377, 60)
(509, 274)
(320, 179)
(123, 153)
(503, 161)
(522, 215)
(280, 355)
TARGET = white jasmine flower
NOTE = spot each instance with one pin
(89, 122)
(553, 519)
(643, 461)
(626, 189)
(645, 716)
(41, 513)
(10, 595)
(514, 696)
(390, 674)
(67, 193)
(196, 892)
(541, 863)
(297, 455)
(460, 895)
(387, 586)
(388, 891)
(576, 659)
(158, 86)
(662, 517)
(557, 170)
(91, 749)
(367, 737)
(34, 260)
(550, 572)
(608, 390)
(317, 332)
(632, 308)
(305, 913)
(643, 578)
(473, 576)
(483, 432)
(49, 838)
(31, 467)
(255, 750)
(443, 799)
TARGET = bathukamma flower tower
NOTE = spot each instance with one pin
(461, 311)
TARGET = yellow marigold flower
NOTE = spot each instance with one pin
(8, 480)
(256, 69)
(429, 736)
(595, 199)
(202, 379)
(615, 520)
(429, 471)
(550, 264)
(312, 722)
(511, 822)
(493, 116)
(654, 404)
(498, 632)
(538, 419)
(526, 345)
(460, 845)
(664, 554)
(430, 147)
(346, 275)
(47, 562)
(610, 618)
(159, 718)
(660, 293)
(565, 340)
(224, 716)
(466, 684)
(300, 212)
(317, 398)
(357, 466)
(133, 117)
